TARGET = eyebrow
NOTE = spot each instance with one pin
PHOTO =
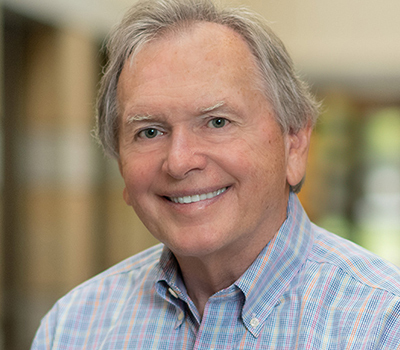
(141, 117)
(212, 108)
(138, 118)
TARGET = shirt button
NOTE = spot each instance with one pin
(254, 322)
(173, 293)
(180, 316)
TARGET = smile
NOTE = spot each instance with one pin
(197, 197)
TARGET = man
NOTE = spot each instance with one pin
(211, 128)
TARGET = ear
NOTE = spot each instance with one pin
(297, 145)
(125, 193)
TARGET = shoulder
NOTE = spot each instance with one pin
(100, 301)
(349, 259)
(138, 272)
(134, 264)
(351, 295)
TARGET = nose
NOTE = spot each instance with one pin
(184, 154)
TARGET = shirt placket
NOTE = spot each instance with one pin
(221, 325)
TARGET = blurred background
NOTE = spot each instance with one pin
(63, 219)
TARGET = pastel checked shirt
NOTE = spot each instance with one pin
(307, 289)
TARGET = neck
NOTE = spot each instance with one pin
(205, 276)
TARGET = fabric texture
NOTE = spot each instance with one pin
(307, 289)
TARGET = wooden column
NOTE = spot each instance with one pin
(58, 161)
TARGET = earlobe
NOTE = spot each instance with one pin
(125, 193)
(297, 151)
(127, 199)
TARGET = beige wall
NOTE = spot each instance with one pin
(352, 44)
(337, 37)
(324, 36)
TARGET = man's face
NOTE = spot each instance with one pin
(204, 162)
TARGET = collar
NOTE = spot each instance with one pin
(269, 276)
(264, 281)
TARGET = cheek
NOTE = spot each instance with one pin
(138, 175)
(266, 165)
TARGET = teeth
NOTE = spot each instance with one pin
(197, 197)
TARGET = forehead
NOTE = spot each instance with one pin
(194, 47)
(192, 68)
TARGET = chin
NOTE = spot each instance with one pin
(196, 248)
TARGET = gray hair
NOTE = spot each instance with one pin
(293, 105)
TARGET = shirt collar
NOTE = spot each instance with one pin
(266, 279)
(275, 267)
(169, 272)
(169, 284)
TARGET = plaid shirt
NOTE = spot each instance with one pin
(308, 289)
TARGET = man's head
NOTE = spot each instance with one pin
(206, 154)
(293, 106)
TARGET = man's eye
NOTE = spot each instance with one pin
(150, 133)
(217, 122)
